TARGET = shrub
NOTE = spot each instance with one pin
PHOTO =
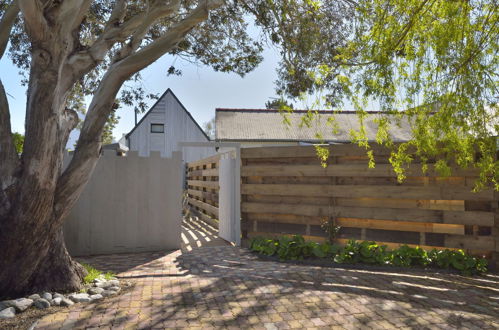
(296, 248)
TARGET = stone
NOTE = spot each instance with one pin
(4, 304)
(57, 301)
(34, 296)
(42, 303)
(107, 284)
(47, 296)
(8, 313)
(114, 288)
(80, 297)
(107, 293)
(103, 284)
(20, 304)
(58, 295)
(114, 282)
(96, 297)
(95, 290)
(66, 302)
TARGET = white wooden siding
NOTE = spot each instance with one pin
(113, 214)
(179, 127)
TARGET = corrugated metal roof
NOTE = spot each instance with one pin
(268, 125)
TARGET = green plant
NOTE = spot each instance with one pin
(458, 260)
(93, 273)
(406, 256)
(325, 250)
(370, 252)
(328, 225)
(349, 254)
(264, 246)
(296, 248)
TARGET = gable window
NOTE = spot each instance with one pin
(157, 128)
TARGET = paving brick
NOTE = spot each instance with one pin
(224, 286)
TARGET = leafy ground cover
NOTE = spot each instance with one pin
(369, 252)
(93, 273)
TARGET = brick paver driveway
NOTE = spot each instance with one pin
(224, 286)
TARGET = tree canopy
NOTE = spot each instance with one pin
(278, 104)
(432, 62)
(438, 60)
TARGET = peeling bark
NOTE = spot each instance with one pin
(6, 23)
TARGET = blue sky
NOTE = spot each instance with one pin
(200, 89)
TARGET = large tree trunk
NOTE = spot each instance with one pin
(57, 271)
(35, 196)
(33, 256)
(34, 261)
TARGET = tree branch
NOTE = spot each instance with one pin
(71, 14)
(8, 19)
(71, 182)
(118, 14)
(82, 62)
(175, 34)
(34, 19)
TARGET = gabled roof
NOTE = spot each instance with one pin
(181, 105)
(264, 125)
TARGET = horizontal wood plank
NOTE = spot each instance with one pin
(422, 227)
(204, 194)
(205, 206)
(486, 243)
(284, 218)
(204, 161)
(204, 184)
(346, 212)
(205, 172)
(355, 191)
(413, 215)
(309, 151)
(286, 186)
(362, 223)
(206, 218)
(339, 170)
(253, 234)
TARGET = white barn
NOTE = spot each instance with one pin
(165, 125)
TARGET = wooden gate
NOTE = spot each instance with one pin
(213, 192)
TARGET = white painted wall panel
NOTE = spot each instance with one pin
(130, 204)
(179, 127)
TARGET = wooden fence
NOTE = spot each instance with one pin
(203, 187)
(130, 204)
(286, 191)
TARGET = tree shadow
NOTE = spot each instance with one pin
(127, 262)
(230, 287)
(194, 234)
(199, 234)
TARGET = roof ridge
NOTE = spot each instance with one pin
(293, 110)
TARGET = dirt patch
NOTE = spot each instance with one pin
(26, 319)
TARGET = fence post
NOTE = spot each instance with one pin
(494, 262)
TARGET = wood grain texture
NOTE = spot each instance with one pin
(353, 191)
(204, 206)
(284, 188)
(381, 170)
